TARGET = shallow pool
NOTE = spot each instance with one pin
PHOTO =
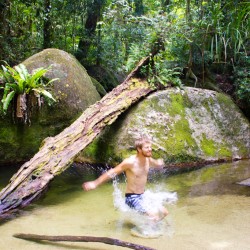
(212, 212)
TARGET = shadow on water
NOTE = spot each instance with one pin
(68, 185)
(64, 187)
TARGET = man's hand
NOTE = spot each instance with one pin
(90, 185)
(160, 163)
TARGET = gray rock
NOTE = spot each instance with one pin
(245, 182)
(74, 92)
(187, 126)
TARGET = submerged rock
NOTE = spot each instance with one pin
(74, 92)
(245, 182)
(187, 126)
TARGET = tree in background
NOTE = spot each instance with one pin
(203, 37)
(47, 26)
(90, 40)
(4, 28)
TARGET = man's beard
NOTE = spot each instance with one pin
(147, 154)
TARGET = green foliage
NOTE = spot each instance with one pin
(160, 74)
(210, 33)
(135, 55)
(242, 78)
(17, 81)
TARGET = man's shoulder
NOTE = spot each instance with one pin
(130, 160)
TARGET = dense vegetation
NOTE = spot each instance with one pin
(205, 42)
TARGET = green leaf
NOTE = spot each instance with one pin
(20, 72)
(18, 81)
(55, 79)
(37, 76)
(9, 86)
(44, 93)
(6, 74)
(6, 101)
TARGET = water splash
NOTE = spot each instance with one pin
(153, 200)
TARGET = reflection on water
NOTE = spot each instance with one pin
(212, 211)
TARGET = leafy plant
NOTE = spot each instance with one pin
(243, 89)
(17, 81)
(242, 78)
(159, 74)
(136, 53)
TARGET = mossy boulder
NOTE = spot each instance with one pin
(102, 92)
(74, 92)
(187, 126)
(74, 88)
(104, 76)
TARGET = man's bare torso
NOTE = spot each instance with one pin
(137, 174)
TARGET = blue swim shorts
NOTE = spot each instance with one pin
(134, 201)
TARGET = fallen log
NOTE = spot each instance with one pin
(57, 153)
(105, 240)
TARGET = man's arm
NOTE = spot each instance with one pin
(110, 174)
(156, 163)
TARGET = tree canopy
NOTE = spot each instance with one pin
(199, 36)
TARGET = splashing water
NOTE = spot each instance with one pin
(152, 201)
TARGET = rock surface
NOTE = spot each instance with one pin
(74, 92)
(245, 182)
(187, 126)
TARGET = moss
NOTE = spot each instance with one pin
(177, 105)
(242, 150)
(179, 138)
(7, 135)
(181, 158)
(208, 104)
(208, 146)
(225, 100)
(180, 135)
(166, 116)
(101, 151)
(102, 92)
(224, 152)
(8, 143)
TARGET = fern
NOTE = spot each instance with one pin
(160, 75)
(17, 81)
(136, 53)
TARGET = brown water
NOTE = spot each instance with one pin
(212, 212)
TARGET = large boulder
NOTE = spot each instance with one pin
(104, 76)
(74, 92)
(187, 126)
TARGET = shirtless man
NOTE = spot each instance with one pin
(136, 168)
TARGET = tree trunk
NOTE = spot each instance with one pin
(57, 153)
(4, 27)
(106, 240)
(188, 16)
(47, 25)
(94, 15)
(21, 107)
(139, 7)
